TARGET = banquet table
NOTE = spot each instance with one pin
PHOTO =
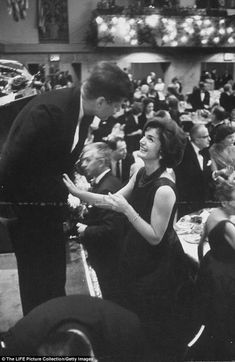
(189, 230)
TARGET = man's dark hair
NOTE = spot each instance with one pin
(109, 81)
(112, 142)
(219, 113)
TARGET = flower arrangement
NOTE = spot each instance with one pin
(77, 208)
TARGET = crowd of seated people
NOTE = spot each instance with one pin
(146, 170)
(55, 80)
(151, 96)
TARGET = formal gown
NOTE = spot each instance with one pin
(155, 279)
(216, 283)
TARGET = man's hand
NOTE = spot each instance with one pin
(81, 229)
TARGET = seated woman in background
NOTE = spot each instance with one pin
(216, 281)
(222, 151)
(155, 274)
(147, 112)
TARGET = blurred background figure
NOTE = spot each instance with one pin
(194, 174)
(222, 151)
(200, 97)
(147, 112)
(133, 130)
(121, 160)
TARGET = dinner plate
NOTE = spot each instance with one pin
(191, 238)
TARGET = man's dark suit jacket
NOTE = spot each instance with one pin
(194, 185)
(133, 142)
(125, 167)
(38, 148)
(114, 331)
(102, 236)
(196, 102)
(226, 101)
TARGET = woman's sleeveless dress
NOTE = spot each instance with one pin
(154, 278)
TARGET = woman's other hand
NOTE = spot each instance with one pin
(118, 203)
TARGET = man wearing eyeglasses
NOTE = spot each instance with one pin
(100, 230)
(194, 175)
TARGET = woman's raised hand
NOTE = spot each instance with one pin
(70, 185)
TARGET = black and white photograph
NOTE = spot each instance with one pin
(117, 180)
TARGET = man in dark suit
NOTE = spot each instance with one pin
(200, 97)
(110, 331)
(45, 141)
(226, 99)
(121, 161)
(100, 230)
(132, 128)
(194, 175)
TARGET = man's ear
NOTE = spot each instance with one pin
(224, 203)
(101, 162)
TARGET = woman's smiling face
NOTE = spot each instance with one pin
(150, 145)
(229, 140)
(149, 108)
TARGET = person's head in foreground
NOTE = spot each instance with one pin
(67, 339)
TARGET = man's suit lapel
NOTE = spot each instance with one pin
(194, 158)
(98, 187)
(72, 116)
(83, 130)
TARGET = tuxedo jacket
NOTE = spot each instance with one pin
(125, 167)
(226, 101)
(114, 331)
(197, 102)
(133, 142)
(38, 149)
(194, 185)
(101, 237)
(104, 129)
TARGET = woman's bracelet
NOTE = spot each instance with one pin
(134, 218)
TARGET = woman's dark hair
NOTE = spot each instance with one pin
(222, 131)
(173, 141)
(146, 102)
(162, 113)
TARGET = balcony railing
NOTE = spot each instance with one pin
(171, 28)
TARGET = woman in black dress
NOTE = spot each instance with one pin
(216, 281)
(154, 271)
